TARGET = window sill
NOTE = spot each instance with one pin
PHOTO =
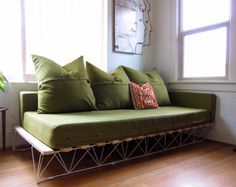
(206, 86)
(202, 82)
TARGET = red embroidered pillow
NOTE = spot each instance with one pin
(143, 96)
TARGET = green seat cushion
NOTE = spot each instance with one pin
(111, 90)
(154, 79)
(81, 128)
(62, 89)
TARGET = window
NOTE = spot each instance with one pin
(10, 39)
(204, 38)
(58, 29)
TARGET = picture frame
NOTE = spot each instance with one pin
(132, 27)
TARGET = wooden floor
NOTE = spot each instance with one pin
(207, 164)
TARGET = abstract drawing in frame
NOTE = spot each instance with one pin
(132, 27)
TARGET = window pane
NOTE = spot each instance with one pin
(199, 13)
(65, 29)
(10, 39)
(205, 54)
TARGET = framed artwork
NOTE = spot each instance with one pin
(132, 27)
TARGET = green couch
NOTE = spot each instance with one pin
(90, 127)
(83, 112)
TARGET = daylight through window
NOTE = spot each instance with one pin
(61, 30)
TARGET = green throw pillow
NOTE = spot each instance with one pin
(111, 90)
(154, 79)
(62, 89)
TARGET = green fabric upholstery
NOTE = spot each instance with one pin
(28, 102)
(73, 129)
(154, 79)
(62, 89)
(111, 90)
(195, 100)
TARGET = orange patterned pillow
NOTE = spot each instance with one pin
(143, 96)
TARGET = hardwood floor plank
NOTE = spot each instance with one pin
(207, 164)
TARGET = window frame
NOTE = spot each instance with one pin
(182, 34)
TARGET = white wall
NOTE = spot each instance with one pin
(161, 45)
(10, 97)
(165, 57)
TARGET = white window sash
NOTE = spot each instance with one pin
(182, 34)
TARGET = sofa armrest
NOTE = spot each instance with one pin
(195, 100)
(28, 102)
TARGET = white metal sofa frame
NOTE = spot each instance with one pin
(100, 155)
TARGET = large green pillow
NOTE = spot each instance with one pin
(154, 79)
(111, 90)
(62, 89)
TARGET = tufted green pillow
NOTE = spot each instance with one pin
(62, 89)
(111, 90)
(154, 79)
